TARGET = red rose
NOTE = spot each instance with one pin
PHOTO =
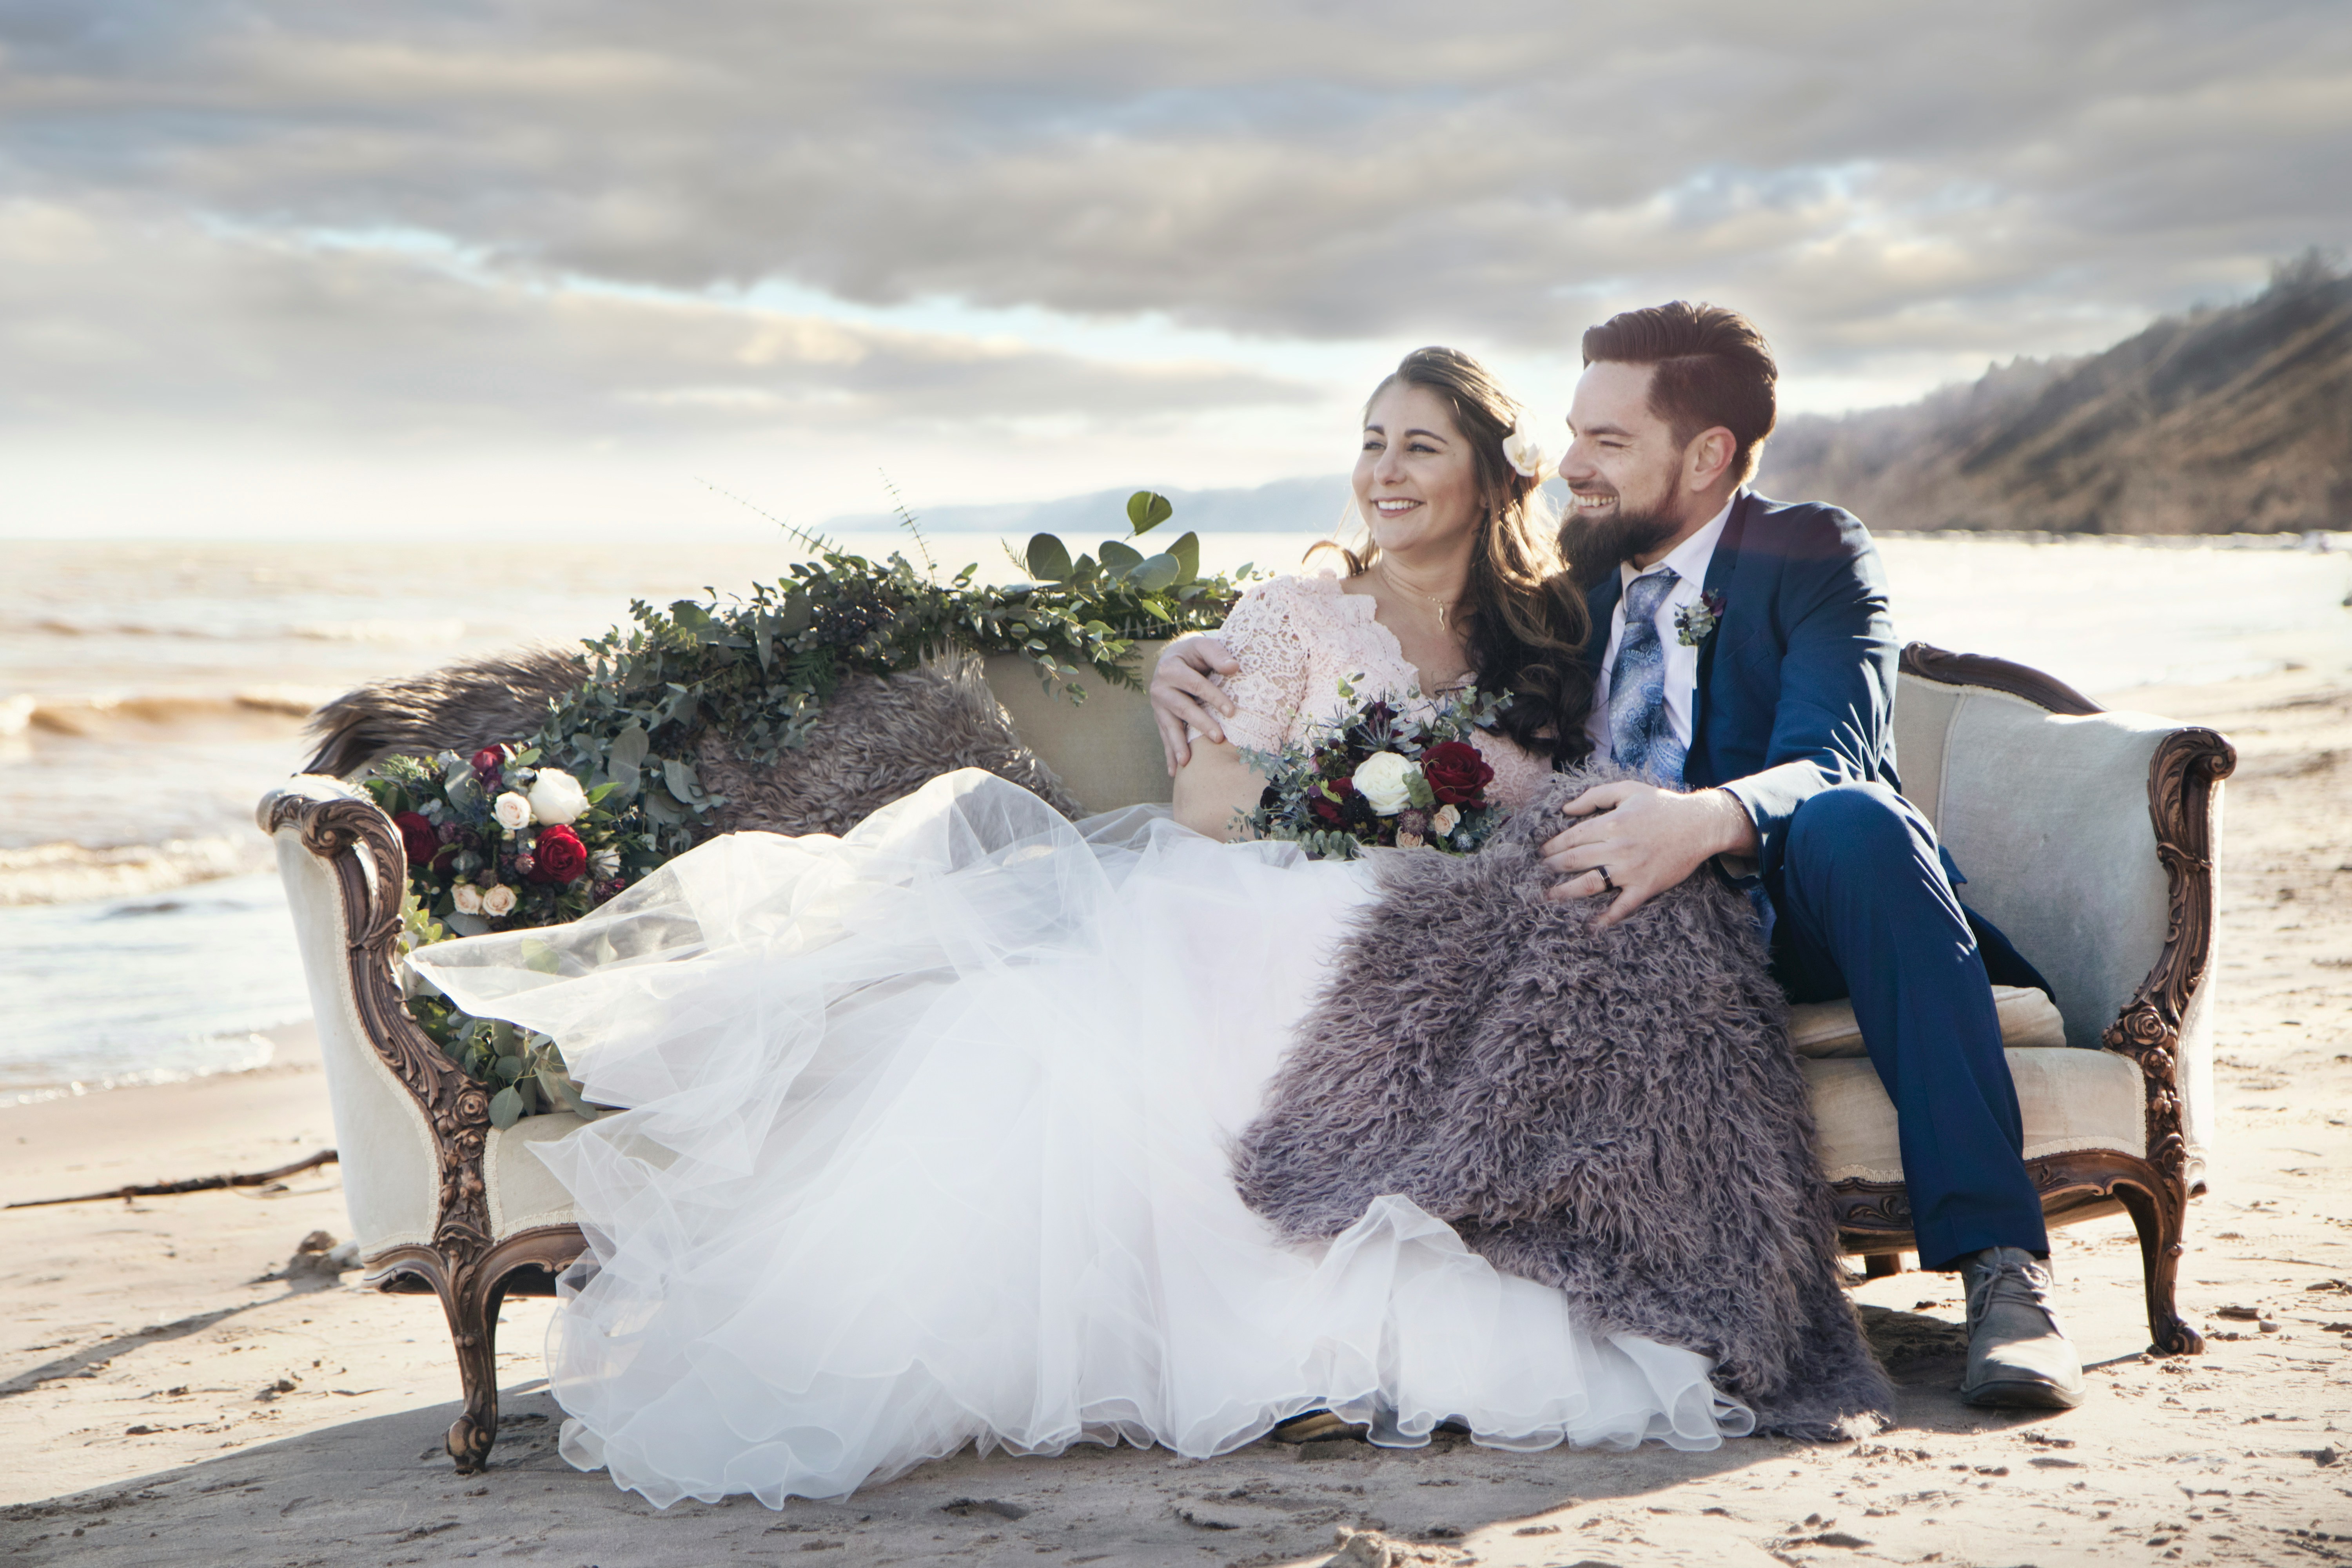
(417, 836)
(1331, 802)
(1456, 771)
(561, 857)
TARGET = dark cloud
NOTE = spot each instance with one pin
(1871, 181)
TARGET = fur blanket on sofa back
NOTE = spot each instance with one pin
(1616, 1113)
(879, 737)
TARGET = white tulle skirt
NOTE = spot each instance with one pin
(929, 1147)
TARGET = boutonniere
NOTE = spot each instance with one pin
(1693, 624)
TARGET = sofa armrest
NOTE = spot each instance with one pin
(413, 1126)
(2167, 1026)
(2089, 837)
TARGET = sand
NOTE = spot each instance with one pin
(162, 1400)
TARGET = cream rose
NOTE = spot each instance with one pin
(498, 899)
(604, 863)
(1525, 455)
(468, 896)
(556, 797)
(512, 811)
(1382, 781)
(1447, 819)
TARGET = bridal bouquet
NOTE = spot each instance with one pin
(496, 842)
(1376, 778)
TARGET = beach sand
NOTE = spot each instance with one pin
(162, 1400)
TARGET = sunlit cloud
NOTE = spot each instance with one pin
(1191, 231)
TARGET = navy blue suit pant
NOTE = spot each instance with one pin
(1863, 908)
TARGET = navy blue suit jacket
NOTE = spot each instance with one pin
(1796, 682)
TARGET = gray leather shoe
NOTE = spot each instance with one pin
(2018, 1356)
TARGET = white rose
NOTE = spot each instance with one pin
(556, 797)
(468, 896)
(1525, 455)
(512, 811)
(604, 863)
(498, 899)
(1381, 781)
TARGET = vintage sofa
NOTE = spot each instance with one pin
(2089, 835)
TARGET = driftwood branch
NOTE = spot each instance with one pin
(193, 1185)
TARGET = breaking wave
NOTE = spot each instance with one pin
(75, 873)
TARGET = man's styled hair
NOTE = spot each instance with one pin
(1713, 368)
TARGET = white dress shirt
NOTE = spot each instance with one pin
(1689, 561)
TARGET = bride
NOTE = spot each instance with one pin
(930, 1142)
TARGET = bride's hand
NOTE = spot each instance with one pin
(1182, 694)
(1640, 840)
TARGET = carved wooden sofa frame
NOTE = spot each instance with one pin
(443, 1203)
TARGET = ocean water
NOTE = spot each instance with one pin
(150, 692)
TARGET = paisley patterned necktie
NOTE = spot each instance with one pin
(1641, 732)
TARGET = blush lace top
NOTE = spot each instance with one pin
(1297, 639)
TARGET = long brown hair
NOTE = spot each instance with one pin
(1524, 622)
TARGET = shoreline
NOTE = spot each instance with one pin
(174, 1398)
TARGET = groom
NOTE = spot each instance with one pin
(1745, 659)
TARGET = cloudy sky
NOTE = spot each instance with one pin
(452, 265)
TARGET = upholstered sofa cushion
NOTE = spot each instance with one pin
(1822, 1029)
(523, 1192)
(2071, 1099)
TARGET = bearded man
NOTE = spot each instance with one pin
(1745, 659)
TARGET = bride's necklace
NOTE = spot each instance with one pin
(1445, 607)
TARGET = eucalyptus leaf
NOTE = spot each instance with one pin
(506, 1107)
(1119, 560)
(1187, 551)
(539, 956)
(677, 776)
(1155, 572)
(1147, 511)
(621, 762)
(1048, 559)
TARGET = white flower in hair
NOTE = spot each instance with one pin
(1525, 455)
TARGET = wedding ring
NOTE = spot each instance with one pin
(1607, 886)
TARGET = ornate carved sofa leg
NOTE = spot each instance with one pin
(2159, 1213)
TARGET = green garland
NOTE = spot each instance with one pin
(758, 670)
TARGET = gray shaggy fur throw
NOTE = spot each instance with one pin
(1612, 1112)
(877, 738)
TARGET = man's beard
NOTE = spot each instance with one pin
(1593, 546)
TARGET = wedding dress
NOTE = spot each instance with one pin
(929, 1146)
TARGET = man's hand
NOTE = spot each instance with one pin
(1182, 694)
(1641, 840)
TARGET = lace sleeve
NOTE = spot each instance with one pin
(1263, 635)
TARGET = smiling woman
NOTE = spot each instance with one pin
(1455, 565)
